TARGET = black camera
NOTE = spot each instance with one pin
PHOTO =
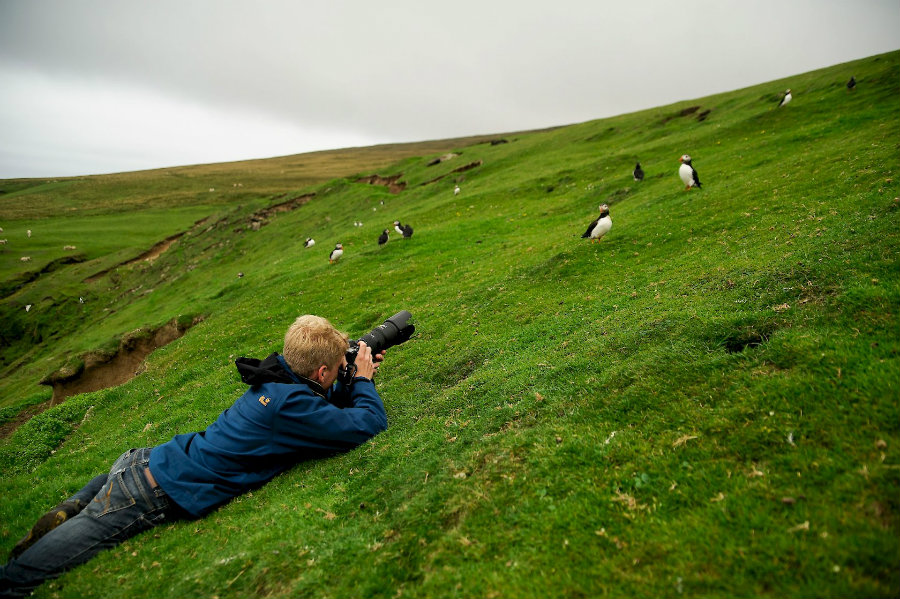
(394, 331)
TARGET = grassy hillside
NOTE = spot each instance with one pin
(704, 403)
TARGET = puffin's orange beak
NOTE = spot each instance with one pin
(681, 160)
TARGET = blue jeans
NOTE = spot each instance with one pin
(120, 505)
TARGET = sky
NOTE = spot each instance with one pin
(91, 87)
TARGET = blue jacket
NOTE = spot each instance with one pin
(270, 428)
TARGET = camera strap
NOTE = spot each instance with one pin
(347, 373)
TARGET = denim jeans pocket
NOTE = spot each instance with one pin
(112, 497)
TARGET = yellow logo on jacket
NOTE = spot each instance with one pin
(264, 400)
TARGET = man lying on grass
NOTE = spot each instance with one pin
(293, 411)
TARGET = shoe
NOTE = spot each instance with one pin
(46, 523)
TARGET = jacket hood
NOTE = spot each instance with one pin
(272, 369)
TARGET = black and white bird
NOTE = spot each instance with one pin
(638, 172)
(852, 83)
(383, 238)
(687, 173)
(456, 190)
(600, 227)
(785, 99)
(309, 242)
(405, 230)
(336, 253)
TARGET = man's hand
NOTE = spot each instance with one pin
(365, 366)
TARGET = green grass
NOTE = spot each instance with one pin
(703, 404)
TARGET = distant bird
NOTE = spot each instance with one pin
(240, 276)
(80, 300)
(27, 307)
(456, 190)
(397, 227)
(638, 172)
(383, 238)
(687, 173)
(600, 227)
(784, 100)
(28, 232)
(309, 242)
(407, 231)
(336, 253)
(852, 83)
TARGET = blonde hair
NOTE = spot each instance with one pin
(311, 342)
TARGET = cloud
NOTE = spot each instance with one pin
(404, 70)
(82, 122)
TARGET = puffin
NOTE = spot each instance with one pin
(687, 173)
(336, 253)
(600, 227)
(456, 190)
(638, 172)
(852, 83)
(309, 242)
(407, 231)
(787, 98)
(397, 227)
(383, 238)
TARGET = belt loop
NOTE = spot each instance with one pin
(149, 476)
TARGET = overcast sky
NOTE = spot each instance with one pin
(90, 86)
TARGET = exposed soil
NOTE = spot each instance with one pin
(8, 428)
(684, 112)
(102, 370)
(291, 204)
(260, 218)
(461, 169)
(17, 282)
(443, 158)
(393, 182)
(149, 256)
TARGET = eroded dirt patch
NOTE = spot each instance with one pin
(150, 255)
(99, 370)
(7, 428)
(461, 169)
(689, 111)
(260, 218)
(12, 285)
(392, 182)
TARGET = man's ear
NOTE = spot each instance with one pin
(319, 374)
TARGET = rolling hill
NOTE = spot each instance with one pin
(704, 403)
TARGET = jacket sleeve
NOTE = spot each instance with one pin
(321, 425)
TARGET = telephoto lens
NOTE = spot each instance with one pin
(395, 330)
